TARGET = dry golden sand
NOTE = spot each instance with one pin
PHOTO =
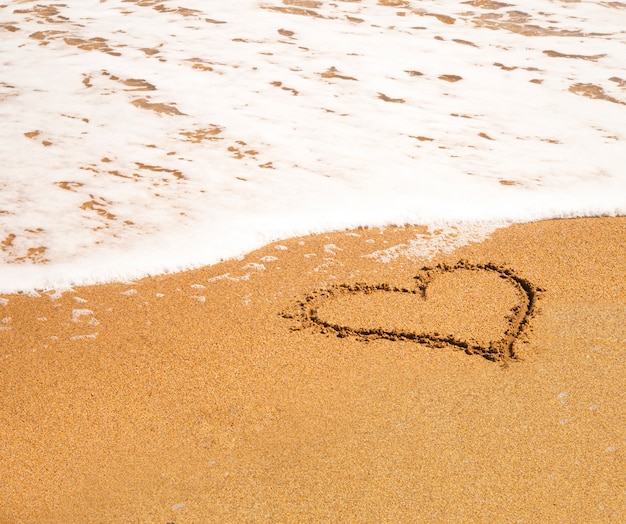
(194, 398)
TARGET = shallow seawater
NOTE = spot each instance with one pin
(148, 136)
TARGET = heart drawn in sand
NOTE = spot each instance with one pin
(482, 309)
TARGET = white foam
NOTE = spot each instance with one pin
(78, 313)
(444, 240)
(275, 124)
(84, 337)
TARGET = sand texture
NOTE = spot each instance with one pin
(309, 382)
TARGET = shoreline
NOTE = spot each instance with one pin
(202, 396)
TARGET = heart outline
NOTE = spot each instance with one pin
(502, 350)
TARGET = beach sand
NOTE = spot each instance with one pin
(307, 382)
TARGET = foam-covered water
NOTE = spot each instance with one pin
(143, 136)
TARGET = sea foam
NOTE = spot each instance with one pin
(144, 137)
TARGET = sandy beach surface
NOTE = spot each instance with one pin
(309, 382)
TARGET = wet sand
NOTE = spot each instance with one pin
(308, 383)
